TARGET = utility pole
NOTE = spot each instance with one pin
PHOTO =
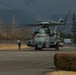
(74, 27)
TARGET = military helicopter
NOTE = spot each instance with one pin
(45, 37)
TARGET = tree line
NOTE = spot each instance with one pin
(14, 31)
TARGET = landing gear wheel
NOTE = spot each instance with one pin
(57, 47)
(36, 48)
(40, 49)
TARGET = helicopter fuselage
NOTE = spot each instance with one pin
(45, 38)
(42, 40)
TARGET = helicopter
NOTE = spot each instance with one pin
(45, 37)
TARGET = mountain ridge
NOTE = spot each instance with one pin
(29, 11)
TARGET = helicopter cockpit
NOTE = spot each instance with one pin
(42, 30)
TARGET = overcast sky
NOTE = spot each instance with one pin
(55, 5)
(63, 5)
(44, 7)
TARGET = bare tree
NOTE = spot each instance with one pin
(2, 29)
(12, 29)
(26, 33)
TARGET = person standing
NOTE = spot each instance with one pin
(19, 44)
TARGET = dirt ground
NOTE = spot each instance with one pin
(61, 73)
(11, 46)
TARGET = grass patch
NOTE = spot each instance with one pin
(11, 46)
(61, 73)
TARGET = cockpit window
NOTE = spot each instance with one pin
(40, 36)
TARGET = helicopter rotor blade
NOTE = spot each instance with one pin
(66, 18)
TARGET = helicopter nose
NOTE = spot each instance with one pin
(39, 44)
